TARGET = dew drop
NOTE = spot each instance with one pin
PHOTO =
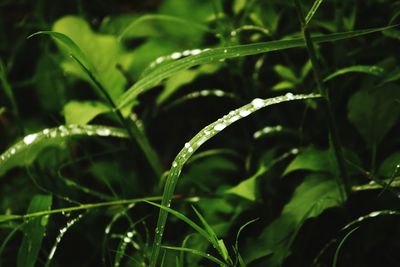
(207, 132)
(13, 151)
(176, 55)
(234, 118)
(187, 145)
(289, 96)
(186, 53)
(219, 93)
(225, 51)
(130, 234)
(174, 164)
(195, 52)
(159, 60)
(244, 113)
(190, 149)
(103, 132)
(257, 103)
(219, 127)
(127, 239)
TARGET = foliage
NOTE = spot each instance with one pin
(245, 133)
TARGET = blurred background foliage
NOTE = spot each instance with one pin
(276, 166)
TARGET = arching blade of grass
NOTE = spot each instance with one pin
(373, 70)
(34, 231)
(371, 215)
(61, 234)
(69, 45)
(25, 151)
(204, 135)
(182, 217)
(200, 253)
(220, 245)
(312, 11)
(165, 19)
(199, 57)
(336, 256)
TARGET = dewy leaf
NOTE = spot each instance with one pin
(34, 231)
(374, 112)
(25, 151)
(82, 112)
(203, 56)
(199, 139)
(314, 195)
(372, 70)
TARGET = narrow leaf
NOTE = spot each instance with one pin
(200, 253)
(34, 231)
(312, 11)
(372, 70)
(203, 56)
(25, 151)
(199, 139)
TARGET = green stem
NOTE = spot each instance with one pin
(134, 133)
(84, 207)
(326, 103)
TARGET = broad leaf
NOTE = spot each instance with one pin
(34, 231)
(374, 112)
(82, 112)
(310, 199)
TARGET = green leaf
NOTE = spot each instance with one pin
(24, 152)
(372, 70)
(82, 112)
(312, 11)
(314, 195)
(7, 88)
(310, 159)
(34, 231)
(5, 217)
(286, 73)
(247, 188)
(203, 136)
(389, 165)
(199, 253)
(374, 112)
(184, 77)
(203, 56)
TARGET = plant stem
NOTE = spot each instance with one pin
(134, 133)
(326, 103)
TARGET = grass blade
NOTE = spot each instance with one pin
(168, 69)
(200, 253)
(72, 48)
(312, 11)
(182, 217)
(373, 70)
(204, 135)
(25, 151)
(34, 231)
(336, 256)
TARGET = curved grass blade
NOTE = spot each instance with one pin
(336, 256)
(163, 18)
(182, 217)
(34, 231)
(62, 232)
(25, 151)
(219, 243)
(312, 11)
(372, 70)
(69, 44)
(166, 70)
(200, 253)
(199, 139)
(373, 214)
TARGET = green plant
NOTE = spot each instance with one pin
(280, 180)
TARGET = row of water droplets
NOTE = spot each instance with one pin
(175, 56)
(267, 130)
(59, 132)
(372, 215)
(61, 234)
(205, 134)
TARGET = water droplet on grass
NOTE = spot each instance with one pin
(176, 55)
(219, 127)
(257, 103)
(30, 138)
(244, 113)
